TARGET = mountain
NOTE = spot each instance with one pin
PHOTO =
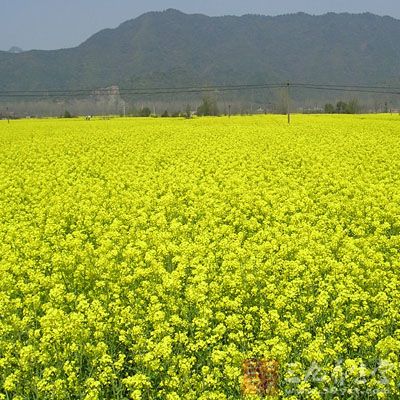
(171, 48)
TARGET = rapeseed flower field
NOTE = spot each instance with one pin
(148, 258)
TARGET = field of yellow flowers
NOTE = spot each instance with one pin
(148, 258)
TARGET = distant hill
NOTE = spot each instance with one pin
(171, 48)
(15, 50)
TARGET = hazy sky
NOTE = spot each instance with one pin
(50, 24)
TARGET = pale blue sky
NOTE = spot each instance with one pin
(51, 24)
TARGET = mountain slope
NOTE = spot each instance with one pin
(171, 49)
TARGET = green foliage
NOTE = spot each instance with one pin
(329, 108)
(145, 112)
(341, 107)
(208, 107)
(352, 107)
(165, 114)
(67, 114)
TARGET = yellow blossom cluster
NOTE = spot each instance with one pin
(148, 258)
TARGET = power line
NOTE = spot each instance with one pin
(60, 93)
(99, 91)
(349, 89)
(345, 86)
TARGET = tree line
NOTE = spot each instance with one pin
(352, 107)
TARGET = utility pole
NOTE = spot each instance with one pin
(229, 108)
(288, 101)
(8, 115)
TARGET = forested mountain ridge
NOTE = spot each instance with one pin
(171, 48)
